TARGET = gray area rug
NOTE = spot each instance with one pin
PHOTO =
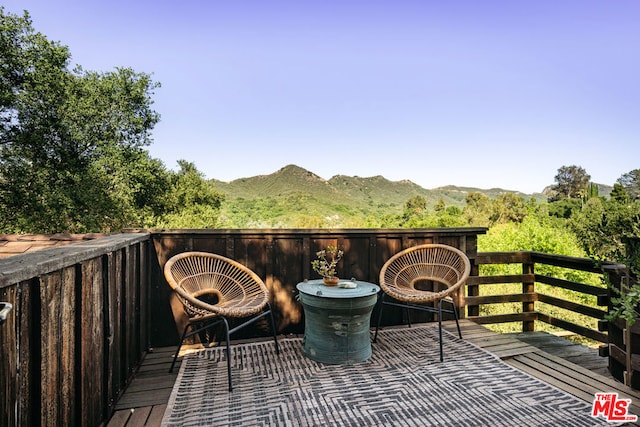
(403, 383)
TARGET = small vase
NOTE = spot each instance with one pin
(330, 281)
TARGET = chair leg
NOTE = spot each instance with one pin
(380, 306)
(175, 356)
(440, 329)
(226, 336)
(273, 328)
(455, 314)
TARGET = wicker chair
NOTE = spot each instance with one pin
(434, 266)
(212, 289)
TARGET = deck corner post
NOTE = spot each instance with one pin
(528, 287)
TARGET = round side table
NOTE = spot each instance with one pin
(337, 320)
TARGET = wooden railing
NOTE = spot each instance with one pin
(529, 295)
(85, 314)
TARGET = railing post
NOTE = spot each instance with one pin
(528, 287)
(473, 290)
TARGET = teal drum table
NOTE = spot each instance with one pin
(337, 320)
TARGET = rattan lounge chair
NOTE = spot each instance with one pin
(407, 276)
(212, 289)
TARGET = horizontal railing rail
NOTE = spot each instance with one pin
(530, 295)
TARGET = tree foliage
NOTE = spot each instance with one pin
(192, 201)
(72, 146)
(631, 183)
(477, 211)
(71, 156)
(508, 207)
(619, 194)
(571, 183)
(602, 226)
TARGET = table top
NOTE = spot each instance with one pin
(317, 288)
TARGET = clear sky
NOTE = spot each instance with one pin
(480, 93)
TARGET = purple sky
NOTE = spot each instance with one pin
(471, 93)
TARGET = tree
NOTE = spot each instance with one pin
(571, 183)
(564, 208)
(477, 209)
(603, 225)
(508, 207)
(414, 209)
(631, 183)
(415, 205)
(71, 156)
(193, 202)
(619, 194)
(439, 207)
(190, 188)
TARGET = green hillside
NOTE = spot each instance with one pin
(296, 197)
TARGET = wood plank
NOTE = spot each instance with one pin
(155, 367)
(490, 340)
(546, 377)
(502, 345)
(155, 418)
(91, 342)
(25, 267)
(467, 327)
(139, 416)
(57, 319)
(51, 289)
(119, 418)
(9, 361)
(511, 352)
(568, 350)
(144, 398)
(29, 358)
(510, 349)
(117, 376)
(153, 383)
(68, 346)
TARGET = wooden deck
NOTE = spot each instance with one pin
(574, 368)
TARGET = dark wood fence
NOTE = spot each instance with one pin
(85, 314)
(282, 258)
(78, 329)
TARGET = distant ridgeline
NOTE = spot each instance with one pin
(293, 192)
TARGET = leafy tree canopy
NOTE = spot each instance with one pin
(72, 154)
(571, 183)
(619, 194)
(631, 183)
(602, 226)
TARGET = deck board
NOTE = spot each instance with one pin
(568, 366)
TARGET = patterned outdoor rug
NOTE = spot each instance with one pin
(403, 383)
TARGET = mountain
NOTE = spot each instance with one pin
(294, 196)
